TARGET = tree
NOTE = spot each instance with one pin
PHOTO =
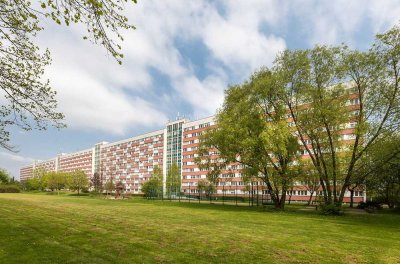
(208, 160)
(56, 180)
(32, 184)
(210, 189)
(318, 103)
(109, 186)
(77, 180)
(173, 182)
(39, 179)
(153, 186)
(253, 131)
(96, 182)
(202, 186)
(30, 100)
(119, 189)
(386, 187)
(4, 176)
(309, 179)
(317, 107)
(382, 176)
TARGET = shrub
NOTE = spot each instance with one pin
(9, 188)
(370, 206)
(330, 209)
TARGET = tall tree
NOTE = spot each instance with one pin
(96, 182)
(30, 101)
(253, 131)
(317, 108)
(376, 78)
(341, 103)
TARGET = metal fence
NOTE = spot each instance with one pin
(252, 197)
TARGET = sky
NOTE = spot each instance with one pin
(180, 59)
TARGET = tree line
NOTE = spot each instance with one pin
(43, 180)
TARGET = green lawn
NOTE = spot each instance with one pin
(37, 228)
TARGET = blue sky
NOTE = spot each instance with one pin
(180, 58)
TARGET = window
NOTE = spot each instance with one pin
(355, 101)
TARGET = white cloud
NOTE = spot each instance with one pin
(89, 104)
(205, 96)
(332, 22)
(383, 14)
(241, 47)
(93, 89)
(96, 93)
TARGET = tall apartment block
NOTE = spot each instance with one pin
(133, 160)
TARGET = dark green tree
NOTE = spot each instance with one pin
(4, 176)
(96, 182)
(382, 171)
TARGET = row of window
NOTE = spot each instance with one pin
(140, 141)
(204, 125)
(195, 134)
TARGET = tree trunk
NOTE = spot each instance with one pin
(277, 203)
(282, 202)
(351, 198)
(311, 196)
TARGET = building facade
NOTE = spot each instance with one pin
(133, 160)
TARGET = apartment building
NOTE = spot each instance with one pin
(133, 160)
(230, 182)
(26, 172)
(81, 160)
(130, 161)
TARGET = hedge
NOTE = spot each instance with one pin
(9, 188)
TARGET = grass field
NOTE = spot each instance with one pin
(38, 228)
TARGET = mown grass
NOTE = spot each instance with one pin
(67, 229)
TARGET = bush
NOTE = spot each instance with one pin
(9, 188)
(330, 209)
(370, 206)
